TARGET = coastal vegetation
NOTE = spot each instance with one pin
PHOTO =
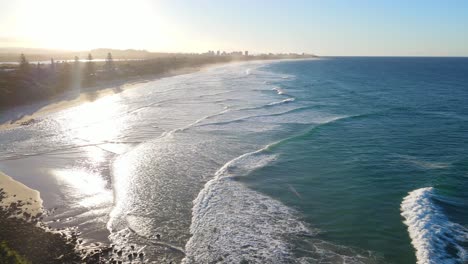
(24, 239)
(9, 256)
(27, 82)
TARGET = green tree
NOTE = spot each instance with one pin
(63, 77)
(7, 255)
(109, 66)
(90, 71)
(76, 75)
(90, 67)
(24, 63)
(52, 64)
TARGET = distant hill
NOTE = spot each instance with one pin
(12, 54)
(121, 54)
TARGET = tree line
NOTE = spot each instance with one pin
(30, 82)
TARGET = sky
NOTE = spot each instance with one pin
(326, 27)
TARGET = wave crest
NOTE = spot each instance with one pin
(432, 234)
(232, 223)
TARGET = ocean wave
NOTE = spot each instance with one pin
(296, 115)
(287, 100)
(279, 90)
(284, 101)
(424, 164)
(232, 223)
(436, 239)
(194, 123)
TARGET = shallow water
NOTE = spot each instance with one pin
(356, 160)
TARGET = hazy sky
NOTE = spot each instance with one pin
(327, 27)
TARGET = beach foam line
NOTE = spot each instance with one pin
(170, 133)
(272, 104)
(433, 235)
(287, 100)
(317, 120)
(232, 223)
(278, 90)
(14, 192)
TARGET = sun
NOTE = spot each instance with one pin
(87, 24)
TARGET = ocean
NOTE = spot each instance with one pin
(330, 160)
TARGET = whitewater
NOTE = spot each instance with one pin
(336, 160)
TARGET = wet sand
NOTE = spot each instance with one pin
(26, 114)
(21, 230)
(29, 223)
(15, 192)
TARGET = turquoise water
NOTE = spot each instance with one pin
(334, 160)
(403, 126)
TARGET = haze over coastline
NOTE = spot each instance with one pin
(325, 28)
(243, 132)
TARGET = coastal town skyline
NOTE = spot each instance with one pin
(331, 28)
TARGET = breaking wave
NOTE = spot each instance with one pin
(436, 239)
(232, 223)
(279, 90)
(287, 100)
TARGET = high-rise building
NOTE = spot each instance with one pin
(246, 53)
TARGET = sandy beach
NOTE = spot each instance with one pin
(70, 185)
(26, 114)
(15, 192)
(22, 206)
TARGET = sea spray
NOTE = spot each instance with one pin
(432, 233)
(232, 223)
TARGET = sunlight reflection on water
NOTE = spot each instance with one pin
(95, 121)
(87, 187)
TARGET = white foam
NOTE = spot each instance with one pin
(431, 231)
(231, 223)
(424, 164)
(278, 90)
(287, 100)
(170, 133)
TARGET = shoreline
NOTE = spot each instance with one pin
(44, 222)
(11, 117)
(21, 214)
(63, 102)
(24, 198)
